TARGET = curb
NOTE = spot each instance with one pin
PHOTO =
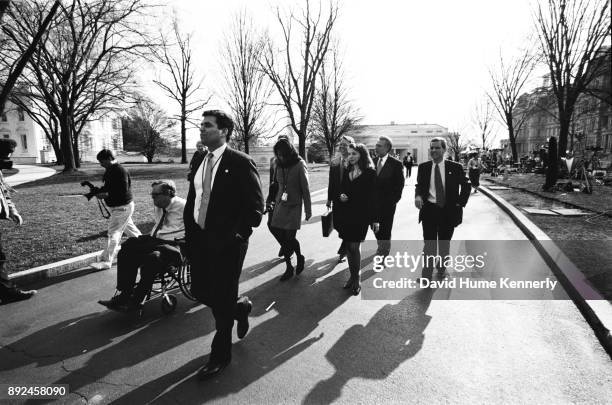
(54, 269)
(596, 310)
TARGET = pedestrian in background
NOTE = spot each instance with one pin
(200, 152)
(356, 209)
(474, 169)
(117, 194)
(408, 163)
(285, 207)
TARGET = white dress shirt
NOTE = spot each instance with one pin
(198, 178)
(432, 180)
(173, 226)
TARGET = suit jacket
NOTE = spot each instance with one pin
(236, 200)
(389, 182)
(457, 189)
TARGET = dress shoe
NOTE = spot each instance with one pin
(280, 252)
(211, 369)
(100, 265)
(15, 294)
(341, 257)
(300, 264)
(245, 305)
(356, 289)
(116, 301)
(287, 274)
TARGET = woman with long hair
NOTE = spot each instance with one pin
(355, 209)
(284, 204)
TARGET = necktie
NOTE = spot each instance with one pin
(440, 196)
(206, 182)
(160, 224)
(379, 166)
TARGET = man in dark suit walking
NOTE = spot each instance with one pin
(389, 187)
(337, 168)
(224, 203)
(442, 190)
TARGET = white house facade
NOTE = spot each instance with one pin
(34, 147)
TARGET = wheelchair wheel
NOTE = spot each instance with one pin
(185, 280)
(168, 303)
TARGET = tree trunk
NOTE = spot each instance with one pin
(66, 143)
(183, 137)
(564, 126)
(512, 138)
(246, 142)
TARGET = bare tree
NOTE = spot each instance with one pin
(333, 113)
(148, 129)
(508, 82)
(183, 86)
(87, 67)
(295, 75)
(247, 85)
(455, 143)
(571, 32)
(483, 120)
(14, 70)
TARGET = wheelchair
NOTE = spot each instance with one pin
(176, 277)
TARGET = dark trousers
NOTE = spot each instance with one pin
(216, 264)
(408, 171)
(151, 255)
(286, 238)
(437, 234)
(387, 213)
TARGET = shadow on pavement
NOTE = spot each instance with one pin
(298, 307)
(393, 335)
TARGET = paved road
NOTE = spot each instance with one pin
(310, 342)
(29, 173)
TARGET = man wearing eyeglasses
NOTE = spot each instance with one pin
(152, 253)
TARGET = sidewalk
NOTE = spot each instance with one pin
(28, 173)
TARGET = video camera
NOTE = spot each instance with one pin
(93, 190)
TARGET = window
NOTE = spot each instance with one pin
(24, 142)
(4, 119)
(438, 131)
(413, 132)
(20, 114)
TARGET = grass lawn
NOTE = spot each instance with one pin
(58, 227)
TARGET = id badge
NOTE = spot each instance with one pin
(284, 196)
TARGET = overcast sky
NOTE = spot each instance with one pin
(406, 61)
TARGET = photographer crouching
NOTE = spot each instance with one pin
(117, 193)
(8, 291)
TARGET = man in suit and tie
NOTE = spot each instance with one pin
(336, 170)
(442, 190)
(389, 187)
(224, 203)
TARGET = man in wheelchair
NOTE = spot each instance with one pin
(151, 253)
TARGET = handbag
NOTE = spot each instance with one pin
(327, 223)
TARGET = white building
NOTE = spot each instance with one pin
(34, 147)
(15, 124)
(413, 138)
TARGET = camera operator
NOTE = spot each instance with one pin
(8, 291)
(117, 195)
